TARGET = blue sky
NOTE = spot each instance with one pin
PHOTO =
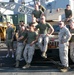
(4, 0)
(15, 0)
(28, 0)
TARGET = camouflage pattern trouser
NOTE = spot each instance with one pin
(19, 50)
(42, 47)
(63, 53)
(28, 53)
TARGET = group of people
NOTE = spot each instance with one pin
(38, 31)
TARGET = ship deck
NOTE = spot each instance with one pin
(39, 65)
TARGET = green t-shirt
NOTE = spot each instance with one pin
(68, 13)
(36, 13)
(31, 36)
(43, 28)
(23, 34)
(9, 33)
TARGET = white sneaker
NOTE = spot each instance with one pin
(7, 55)
(12, 55)
(24, 67)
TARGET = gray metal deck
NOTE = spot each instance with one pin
(42, 67)
(13, 71)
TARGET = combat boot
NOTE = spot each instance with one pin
(26, 66)
(64, 69)
(44, 55)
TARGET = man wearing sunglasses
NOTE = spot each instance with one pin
(64, 37)
(43, 40)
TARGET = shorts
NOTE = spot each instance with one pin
(9, 43)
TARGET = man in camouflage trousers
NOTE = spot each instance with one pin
(64, 37)
(44, 27)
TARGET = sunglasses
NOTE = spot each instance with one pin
(60, 24)
(21, 21)
(42, 18)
